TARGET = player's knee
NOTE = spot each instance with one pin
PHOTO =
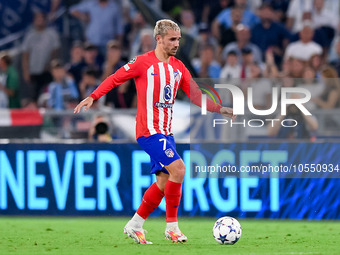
(180, 172)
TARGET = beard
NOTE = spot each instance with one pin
(172, 52)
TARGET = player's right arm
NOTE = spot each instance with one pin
(123, 74)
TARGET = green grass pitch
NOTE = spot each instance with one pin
(103, 235)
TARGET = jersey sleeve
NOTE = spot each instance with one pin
(123, 74)
(192, 90)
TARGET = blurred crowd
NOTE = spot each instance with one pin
(263, 43)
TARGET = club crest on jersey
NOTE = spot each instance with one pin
(169, 153)
(167, 93)
(177, 76)
(133, 60)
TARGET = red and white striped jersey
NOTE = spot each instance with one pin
(157, 84)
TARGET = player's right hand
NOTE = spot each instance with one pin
(87, 102)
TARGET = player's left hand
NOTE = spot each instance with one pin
(228, 112)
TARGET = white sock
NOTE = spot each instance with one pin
(137, 221)
(171, 224)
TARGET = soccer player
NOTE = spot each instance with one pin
(158, 76)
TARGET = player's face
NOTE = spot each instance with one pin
(170, 42)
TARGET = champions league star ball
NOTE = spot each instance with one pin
(227, 230)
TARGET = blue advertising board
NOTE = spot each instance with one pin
(110, 179)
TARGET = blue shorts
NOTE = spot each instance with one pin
(161, 149)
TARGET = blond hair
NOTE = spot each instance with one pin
(163, 26)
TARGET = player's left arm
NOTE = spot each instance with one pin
(192, 90)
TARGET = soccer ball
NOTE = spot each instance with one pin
(227, 230)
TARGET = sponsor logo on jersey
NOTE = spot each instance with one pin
(169, 153)
(163, 105)
(167, 93)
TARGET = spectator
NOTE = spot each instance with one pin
(148, 42)
(205, 38)
(305, 48)
(287, 82)
(242, 36)
(336, 61)
(207, 66)
(297, 67)
(309, 76)
(55, 5)
(196, 7)
(330, 97)
(306, 125)
(62, 90)
(286, 68)
(247, 62)
(334, 53)
(228, 35)
(325, 23)
(188, 23)
(231, 72)
(323, 14)
(254, 5)
(248, 18)
(103, 19)
(88, 83)
(262, 88)
(145, 43)
(39, 47)
(127, 26)
(232, 69)
(271, 70)
(315, 62)
(113, 59)
(270, 34)
(138, 24)
(310, 82)
(323, 17)
(77, 53)
(298, 10)
(322, 36)
(280, 8)
(3, 95)
(89, 62)
(332, 6)
(11, 86)
(92, 57)
(213, 8)
(123, 96)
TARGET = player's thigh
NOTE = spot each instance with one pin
(161, 148)
(157, 167)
